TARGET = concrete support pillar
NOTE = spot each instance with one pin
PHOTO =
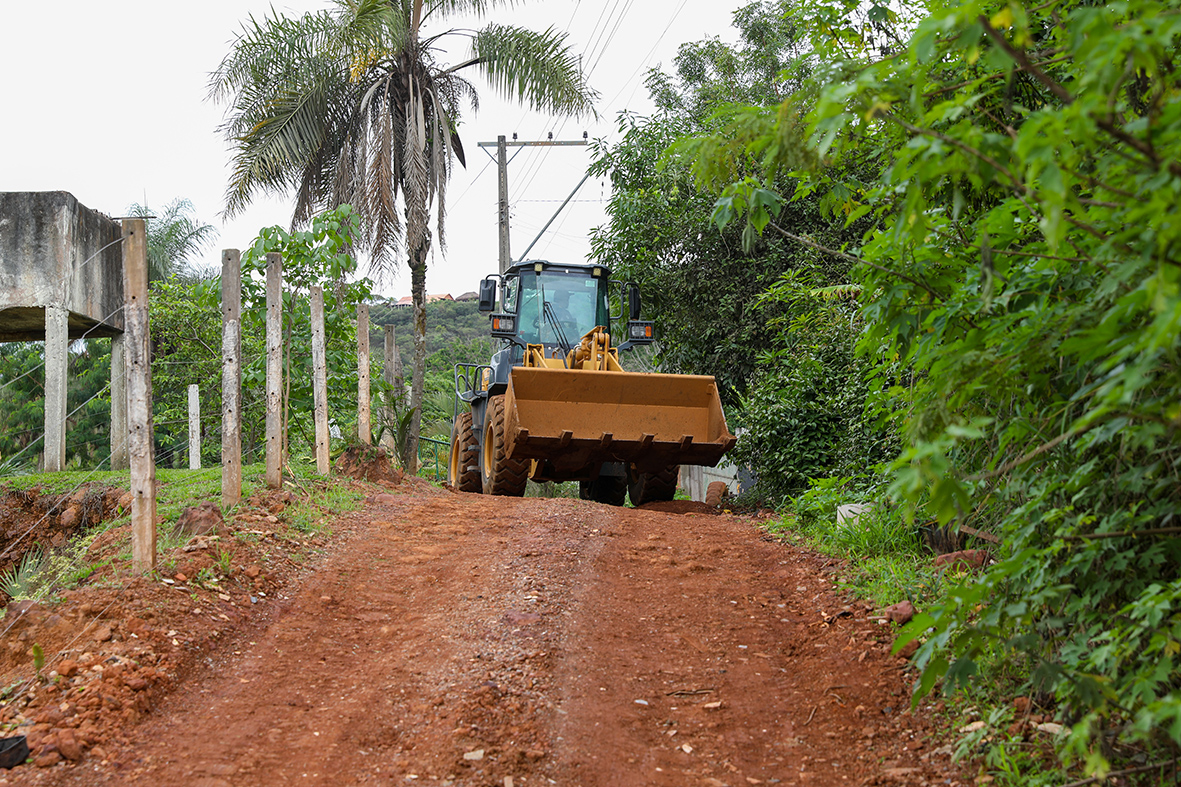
(364, 428)
(119, 459)
(57, 362)
(274, 370)
(320, 380)
(231, 377)
(194, 427)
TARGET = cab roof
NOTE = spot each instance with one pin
(517, 267)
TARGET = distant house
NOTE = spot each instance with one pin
(467, 296)
(408, 301)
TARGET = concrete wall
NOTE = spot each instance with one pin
(46, 240)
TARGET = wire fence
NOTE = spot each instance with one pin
(433, 456)
(85, 445)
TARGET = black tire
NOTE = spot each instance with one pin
(652, 487)
(608, 489)
(463, 470)
(500, 475)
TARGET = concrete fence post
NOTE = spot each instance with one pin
(320, 380)
(364, 427)
(141, 447)
(231, 377)
(274, 425)
(389, 373)
(194, 427)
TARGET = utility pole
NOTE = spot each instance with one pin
(502, 203)
(502, 160)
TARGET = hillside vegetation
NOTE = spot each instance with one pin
(448, 323)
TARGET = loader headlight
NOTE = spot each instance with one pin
(639, 331)
(504, 325)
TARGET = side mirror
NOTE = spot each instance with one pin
(487, 295)
(633, 302)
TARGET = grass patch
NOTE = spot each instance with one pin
(68, 481)
(44, 572)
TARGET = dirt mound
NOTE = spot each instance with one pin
(679, 507)
(368, 463)
(86, 667)
(31, 519)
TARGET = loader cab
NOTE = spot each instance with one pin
(553, 304)
(557, 303)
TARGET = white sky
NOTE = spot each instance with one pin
(107, 101)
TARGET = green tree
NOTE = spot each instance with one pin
(728, 302)
(186, 350)
(353, 106)
(22, 404)
(175, 237)
(318, 256)
(1022, 266)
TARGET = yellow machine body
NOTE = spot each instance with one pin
(575, 412)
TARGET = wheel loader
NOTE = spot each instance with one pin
(554, 404)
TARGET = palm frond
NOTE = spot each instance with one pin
(535, 68)
(174, 237)
(477, 8)
(836, 292)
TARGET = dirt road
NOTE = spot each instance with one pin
(454, 639)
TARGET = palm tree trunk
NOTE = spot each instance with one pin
(418, 374)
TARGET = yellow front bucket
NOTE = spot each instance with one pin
(574, 419)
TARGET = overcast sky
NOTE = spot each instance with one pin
(108, 101)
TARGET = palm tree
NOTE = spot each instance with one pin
(354, 106)
(174, 237)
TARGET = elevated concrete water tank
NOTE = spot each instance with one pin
(61, 278)
(56, 252)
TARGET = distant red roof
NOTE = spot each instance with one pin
(409, 299)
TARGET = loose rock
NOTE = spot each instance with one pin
(968, 558)
(200, 520)
(900, 613)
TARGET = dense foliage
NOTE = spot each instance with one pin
(1021, 167)
(448, 322)
(185, 323)
(749, 310)
(22, 404)
(316, 257)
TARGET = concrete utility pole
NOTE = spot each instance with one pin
(319, 380)
(502, 201)
(274, 370)
(231, 377)
(139, 396)
(364, 428)
(502, 145)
